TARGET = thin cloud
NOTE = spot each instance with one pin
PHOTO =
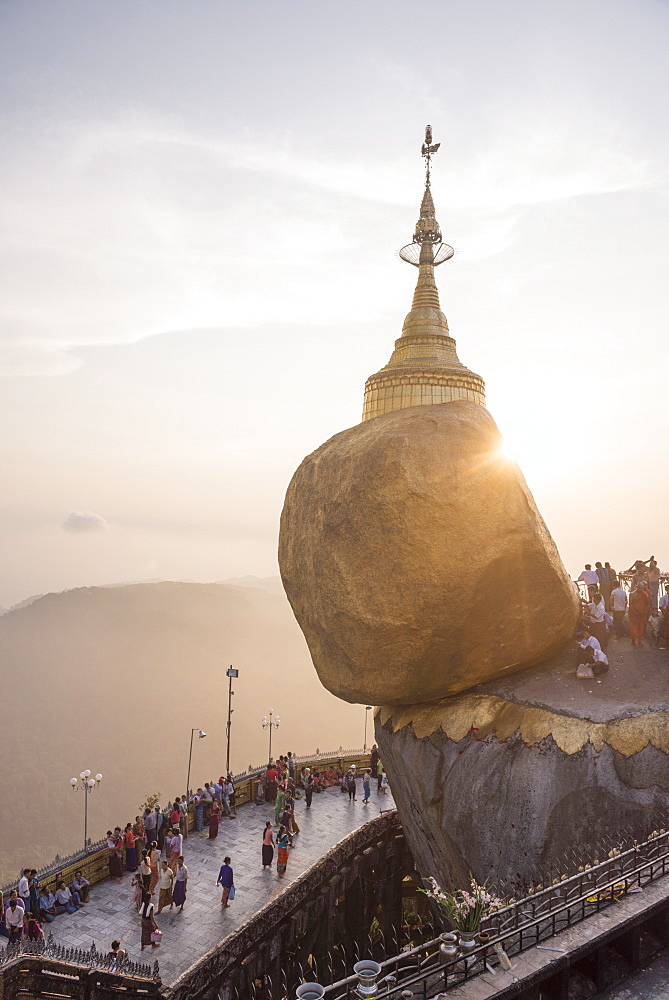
(79, 521)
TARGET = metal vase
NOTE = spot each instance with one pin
(467, 942)
(367, 972)
(448, 949)
(310, 991)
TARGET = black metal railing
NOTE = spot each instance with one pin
(89, 958)
(523, 924)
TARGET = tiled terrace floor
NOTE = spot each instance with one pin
(186, 936)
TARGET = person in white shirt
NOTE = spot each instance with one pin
(14, 916)
(81, 886)
(590, 578)
(598, 616)
(66, 901)
(589, 651)
(24, 889)
(230, 796)
(618, 609)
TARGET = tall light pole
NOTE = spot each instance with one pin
(85, 783)
(229, 673)
(270, 724)
(200, 736)
(368, 709)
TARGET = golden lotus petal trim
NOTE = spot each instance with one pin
(489, 715)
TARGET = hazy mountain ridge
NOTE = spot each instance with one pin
(114, 678)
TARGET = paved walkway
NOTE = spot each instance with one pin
(111, 914)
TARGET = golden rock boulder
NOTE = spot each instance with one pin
(416, 561)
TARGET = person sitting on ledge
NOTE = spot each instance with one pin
(47, 905)
(66, 900)
(81, 886)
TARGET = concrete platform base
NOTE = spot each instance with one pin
(504, 780)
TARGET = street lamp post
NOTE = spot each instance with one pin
(229, 673)
(85, 783)
(270, 724)
(200, 735)
(368, 709)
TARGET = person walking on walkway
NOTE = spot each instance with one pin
(308, 782)
(366, 786)
(166, 879)
(139, 890)
(618, 609)
(214, 817)
(145, 870)
(638, 613)
(282, 841)
(154, 863)
(130, 849)
(226, 881)
(279, 803)
(176, 849)
(161, 828)
(350, 782)
(267, 846)
(180, 880)
(379, 774)
(149, 925)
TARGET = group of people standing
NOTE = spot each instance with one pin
(611, 606)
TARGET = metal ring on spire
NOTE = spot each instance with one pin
(411, 253)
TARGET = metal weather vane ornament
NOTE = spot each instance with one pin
(427, 246)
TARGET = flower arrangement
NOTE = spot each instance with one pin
(464, 908)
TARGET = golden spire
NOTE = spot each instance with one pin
(424, 368)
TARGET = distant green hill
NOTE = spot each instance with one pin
(113, 679)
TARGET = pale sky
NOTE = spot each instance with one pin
(202, 204)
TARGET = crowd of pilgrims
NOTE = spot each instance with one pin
(30, 905)
(139, 848)
(640, 613)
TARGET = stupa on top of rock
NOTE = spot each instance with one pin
(424, 368)
(411, 549)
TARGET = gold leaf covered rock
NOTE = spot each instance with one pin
(416, 561)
